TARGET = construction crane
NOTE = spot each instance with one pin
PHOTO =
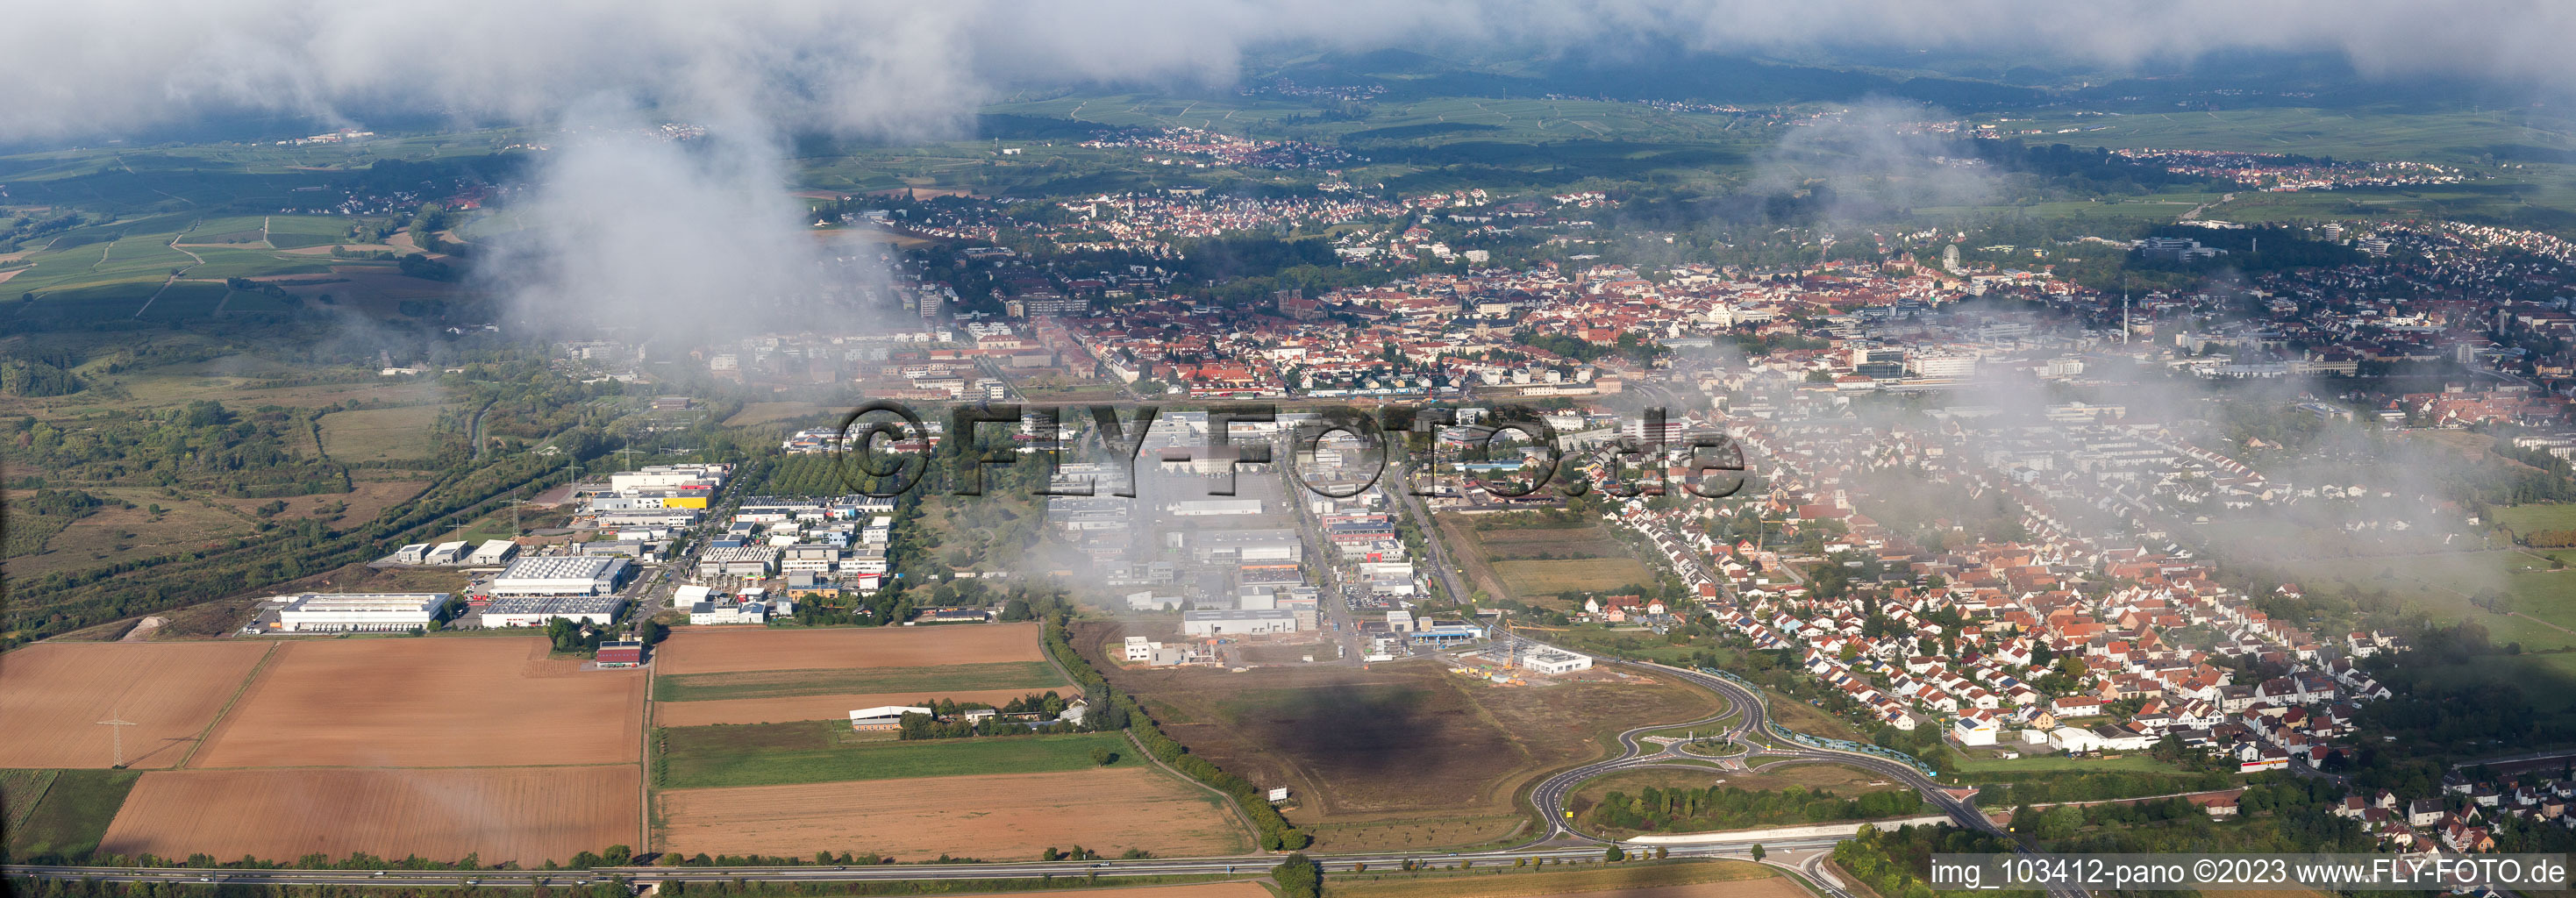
(116, 729)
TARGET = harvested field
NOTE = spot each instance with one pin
(692, 650)
(812, 707)
(53, 696)
(429, 703)
(999, 816)
(524, 814)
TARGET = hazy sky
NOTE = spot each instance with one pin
(101, 66)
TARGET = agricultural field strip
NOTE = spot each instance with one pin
(501, 814)
(1012, 813)
(727, 651)
(788, 754)
(1036, 676)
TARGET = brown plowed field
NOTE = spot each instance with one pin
(692, 650)
(460, 702)
(1002, 816)
(524, 814)
(53, 695)
(812, 707)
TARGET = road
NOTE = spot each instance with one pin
(1239, 864)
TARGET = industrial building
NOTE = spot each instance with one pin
(621, 653)
(562, 576)
(534, 611)
(366, 612)
(738, 561)
(882, 718)
(708, 614)
(1237, 623)
(493, 551)
(1446, 632)
(1553, 662)
(446, 553)
(1246, 546)
(708, 476)
(1206, 508)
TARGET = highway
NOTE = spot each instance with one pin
(1240, 864)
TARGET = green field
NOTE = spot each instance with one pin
(1547, 578)
(19, 792)
(1035, 676)
(66, 825)
(383, 434)
(185, 299)
(2470, 136)
(772, 754)
(2541, 602)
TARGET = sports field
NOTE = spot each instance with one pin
(53, 695)
(1002, 816)
(529, 815)
(429, 703)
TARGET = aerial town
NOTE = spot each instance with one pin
(1277, 453)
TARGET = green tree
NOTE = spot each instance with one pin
(1758, 853)
(1298, 877)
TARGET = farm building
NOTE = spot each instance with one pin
(1237, 623)
(1554, 662)
(621, 653)
(359, 611)
(561, 576)
(881, 718)
(534, 611)
(493, 551)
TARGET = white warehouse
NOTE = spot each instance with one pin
(359, 611)
(1237, 623)
(561, 576)
(493, 551)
